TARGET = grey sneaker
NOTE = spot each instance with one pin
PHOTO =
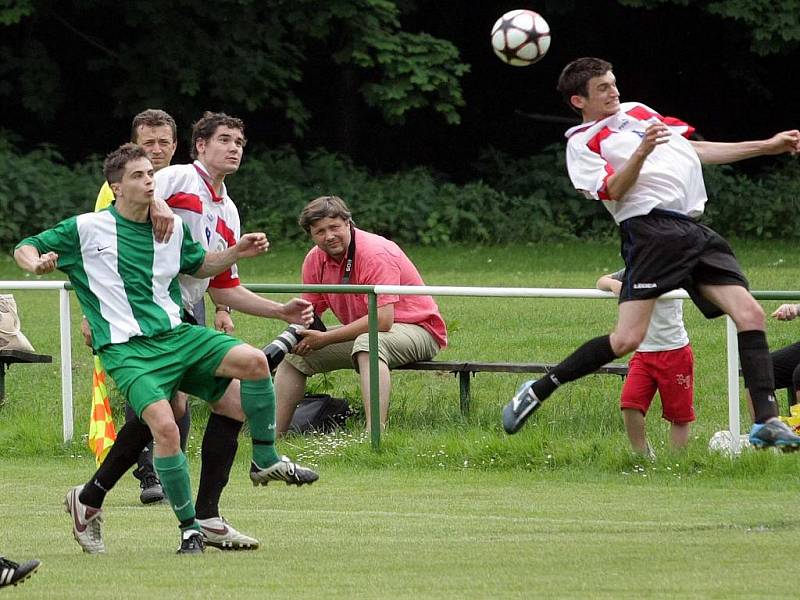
(283, 470)
(774, 433)
(191, 542)
(522, 405)
(217, 532)
(11, 573)
(87, 522)
(152, 491)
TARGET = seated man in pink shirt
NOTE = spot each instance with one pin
(410, 327)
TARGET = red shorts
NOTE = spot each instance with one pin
(671, 373)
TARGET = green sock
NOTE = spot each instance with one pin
(173, 471)
(258, 403)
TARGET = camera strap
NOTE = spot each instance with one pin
(351, 258)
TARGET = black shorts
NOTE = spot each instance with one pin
(666, 251)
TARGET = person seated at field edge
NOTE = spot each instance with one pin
(410, 327)
(127, 286)
(663, 362)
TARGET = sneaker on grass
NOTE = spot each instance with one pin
(217, 532)
(521, 406)
(283, 470)
(11, 573)
(152, 491)
(191, 542)
(87, 522)
(774, 433)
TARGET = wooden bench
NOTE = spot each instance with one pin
(8, 357)
(466, 369)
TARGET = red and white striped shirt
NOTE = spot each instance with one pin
(212, 220)
(670, 179)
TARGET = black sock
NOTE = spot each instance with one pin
(184, 425)
(759, 377)
(131, 438)
(144, 461)
(220, 441)
(586, 359)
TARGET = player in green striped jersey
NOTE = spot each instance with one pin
(127, 287)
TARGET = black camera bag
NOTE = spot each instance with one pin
(319, 412)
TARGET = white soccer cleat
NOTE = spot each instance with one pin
(87, 522)
(283, 470)
(217, 532)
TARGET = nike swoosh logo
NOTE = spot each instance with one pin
(222, 531)
(79, 527)
(99, 249)
(182, 506)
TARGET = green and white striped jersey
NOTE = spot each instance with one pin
(126, 282)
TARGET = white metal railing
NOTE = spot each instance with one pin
(732, 344)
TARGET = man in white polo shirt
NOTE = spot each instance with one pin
(648, 174)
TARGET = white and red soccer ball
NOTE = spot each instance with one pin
(520, 37)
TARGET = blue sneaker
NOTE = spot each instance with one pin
(522, 405)
(774, 433)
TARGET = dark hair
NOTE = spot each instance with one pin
(206, 127)
(322, 207)
(574, 78)
(114, 164)
(153, 117)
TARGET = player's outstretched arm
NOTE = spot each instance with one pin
(248, 246)
(29, 259)
(721, 153)
(240, 298)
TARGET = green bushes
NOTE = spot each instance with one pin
(37, 190)
(511, 200)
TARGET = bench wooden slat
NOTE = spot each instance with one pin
(21, 356)
(8, 357)
(465, 369)
(500, 367)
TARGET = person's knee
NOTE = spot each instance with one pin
(254, 365)
(625, 342)
(165, 433)
(750, 316)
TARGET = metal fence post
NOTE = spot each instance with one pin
(374, 382)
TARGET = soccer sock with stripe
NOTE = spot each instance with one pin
(132, 437)
(587, 359)
(759, 377)
(220, 442)
(258, 403)
(173, 471)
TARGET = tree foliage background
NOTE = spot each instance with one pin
(401, 96)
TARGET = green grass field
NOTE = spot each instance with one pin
(450, 506)
(400, 532)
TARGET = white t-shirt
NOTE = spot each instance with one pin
(666, 330)
(671, 177)
(212, 220)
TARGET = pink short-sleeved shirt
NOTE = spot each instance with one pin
(378, 261)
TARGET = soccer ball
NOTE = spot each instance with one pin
(722, 442)
(520, 37)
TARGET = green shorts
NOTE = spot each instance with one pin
(149, 369)
(404, 343)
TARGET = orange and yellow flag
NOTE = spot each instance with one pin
(101, 424)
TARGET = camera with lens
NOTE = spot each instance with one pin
(286, 341)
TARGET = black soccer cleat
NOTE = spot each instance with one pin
(283, 470)
(191, 542)
(522, 405)
(11, 573)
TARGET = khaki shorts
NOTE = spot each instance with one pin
(404, 343)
